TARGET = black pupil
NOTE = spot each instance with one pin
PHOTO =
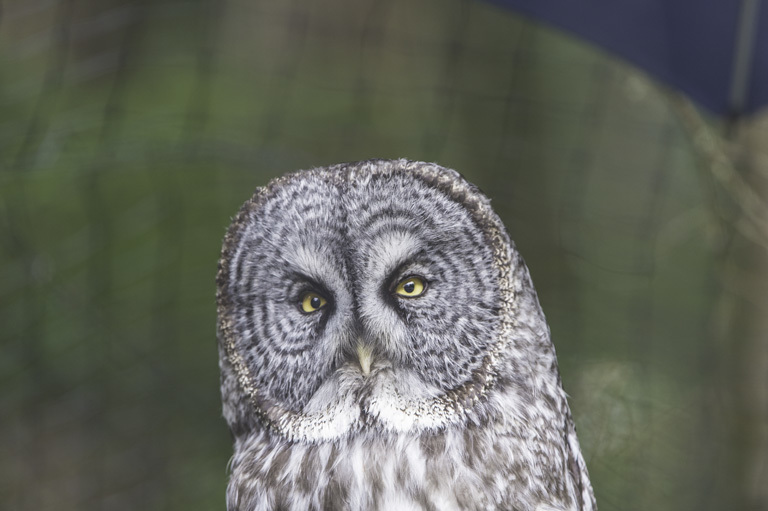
(314, 302)
(409, 286)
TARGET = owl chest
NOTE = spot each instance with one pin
(429, 473)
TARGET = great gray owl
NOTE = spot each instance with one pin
(382, 348)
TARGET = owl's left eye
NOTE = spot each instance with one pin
(411, 287)
(311, 302)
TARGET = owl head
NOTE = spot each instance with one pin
(374, 296)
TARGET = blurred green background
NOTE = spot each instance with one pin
(131, 132)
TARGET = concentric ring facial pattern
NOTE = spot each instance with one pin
(351, 235)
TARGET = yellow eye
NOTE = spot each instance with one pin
(410, 287)
(312, 302)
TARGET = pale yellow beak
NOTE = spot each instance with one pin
(365, 356)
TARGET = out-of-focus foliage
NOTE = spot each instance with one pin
(130, 132)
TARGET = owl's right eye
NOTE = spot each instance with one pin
(311, 302)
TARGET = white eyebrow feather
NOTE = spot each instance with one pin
(395, 248)
(315, 263)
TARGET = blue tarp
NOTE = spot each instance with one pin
(689, 44)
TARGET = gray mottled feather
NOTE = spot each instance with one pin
(463, 407)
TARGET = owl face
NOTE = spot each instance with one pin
(359, 297)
